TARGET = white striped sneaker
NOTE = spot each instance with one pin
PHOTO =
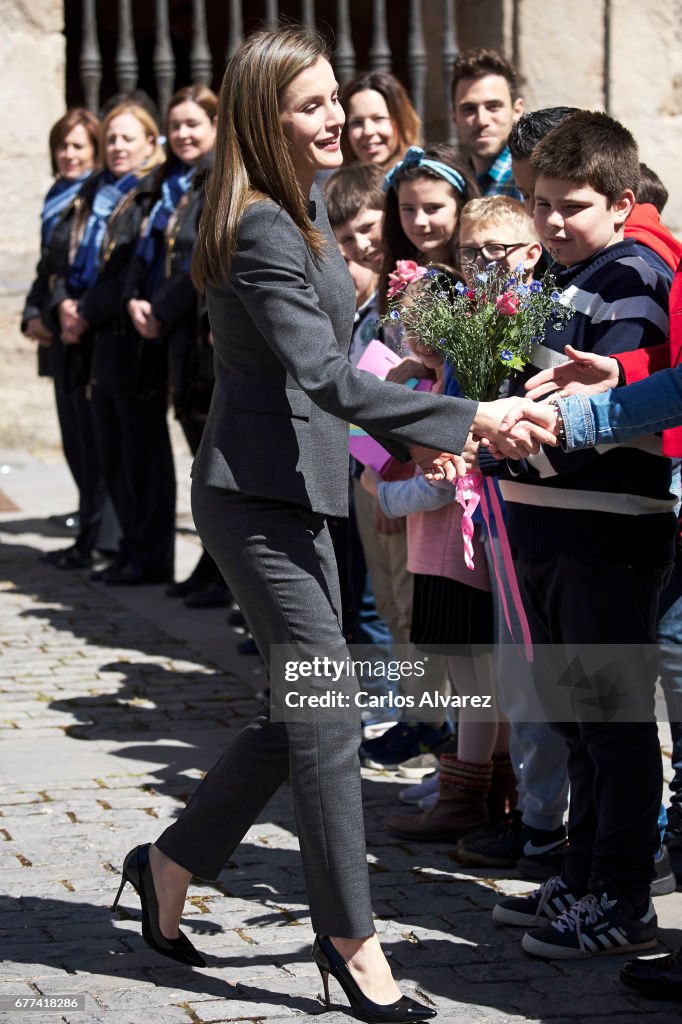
(594, 926)
(537, 907)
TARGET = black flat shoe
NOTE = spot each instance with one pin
(209, 597)
(75, 560)
(55, 557)
(182, 588)
(658, 977)
(402, 1011)
(137, 870)
(133, 576)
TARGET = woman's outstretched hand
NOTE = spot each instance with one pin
(585, 371)
(515, 427)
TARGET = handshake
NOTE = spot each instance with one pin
(509, 427)
(517, 427)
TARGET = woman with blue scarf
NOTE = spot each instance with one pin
(127, 415)
(161, 300)
(74, 151)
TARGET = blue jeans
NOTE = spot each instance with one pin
(669, 634)
(537, 754)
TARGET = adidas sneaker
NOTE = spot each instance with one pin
(539, 907)
(594, 926)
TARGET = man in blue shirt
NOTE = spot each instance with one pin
(485, 105)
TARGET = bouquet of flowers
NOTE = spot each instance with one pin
(486, 329)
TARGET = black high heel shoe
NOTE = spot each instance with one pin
(137, 870)
(402, 1011)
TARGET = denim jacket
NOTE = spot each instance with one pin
(616, 416)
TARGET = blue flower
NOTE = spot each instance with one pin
(536, 286)
(555, 296)
(506, 355)
(460, 288)
(510, 282)
(519, 268)
(523, 289)
(482, 277)
(431, 272)
(442, 341)
(394, 314)
(491, 266)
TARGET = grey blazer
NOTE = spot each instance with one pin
(285, 390)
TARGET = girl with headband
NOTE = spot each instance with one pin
(425, 194)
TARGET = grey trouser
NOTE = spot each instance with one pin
(278, 560)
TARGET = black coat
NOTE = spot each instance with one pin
(68, 364)
(122, 362)
(176, 304)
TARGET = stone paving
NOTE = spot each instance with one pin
(113, 702)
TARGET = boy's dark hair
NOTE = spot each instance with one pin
(651, 188)
(590, 148)
(533, 126)
(352, 189)
(479, 63)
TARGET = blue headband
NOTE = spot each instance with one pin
(415, 157)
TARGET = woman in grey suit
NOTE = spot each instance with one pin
(272, 464)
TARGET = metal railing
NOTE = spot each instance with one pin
(356, 30)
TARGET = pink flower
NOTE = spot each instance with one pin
(507, 304)
(406, 272)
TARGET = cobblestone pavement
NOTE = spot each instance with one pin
(113, 701)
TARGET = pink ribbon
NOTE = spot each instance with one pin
(468, 493)
(470, 490)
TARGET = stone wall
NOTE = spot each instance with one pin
(32, 84)
(561, 49)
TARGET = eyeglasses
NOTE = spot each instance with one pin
(493, 251)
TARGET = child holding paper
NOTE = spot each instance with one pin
(453, 607)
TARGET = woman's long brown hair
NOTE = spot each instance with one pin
(252, 157)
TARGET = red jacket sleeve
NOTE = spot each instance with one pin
(644, 361)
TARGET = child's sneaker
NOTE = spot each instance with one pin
(397, 744)
(504, 846)
(665, 882)
(429, 801)
(413, 794)
(594, 926)
(552, 899)
(419, 766)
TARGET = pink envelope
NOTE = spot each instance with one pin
(378, 359)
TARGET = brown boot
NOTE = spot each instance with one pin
(461, 806)
(502, 795)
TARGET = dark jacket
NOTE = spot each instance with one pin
(68, 364)
(282, 327)
(121, 362)
(176, 304)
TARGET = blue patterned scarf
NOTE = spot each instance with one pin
(110, 191)
(151, 248)
(58, 199)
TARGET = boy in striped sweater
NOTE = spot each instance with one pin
(594, 534)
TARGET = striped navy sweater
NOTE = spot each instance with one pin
(611, 502)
